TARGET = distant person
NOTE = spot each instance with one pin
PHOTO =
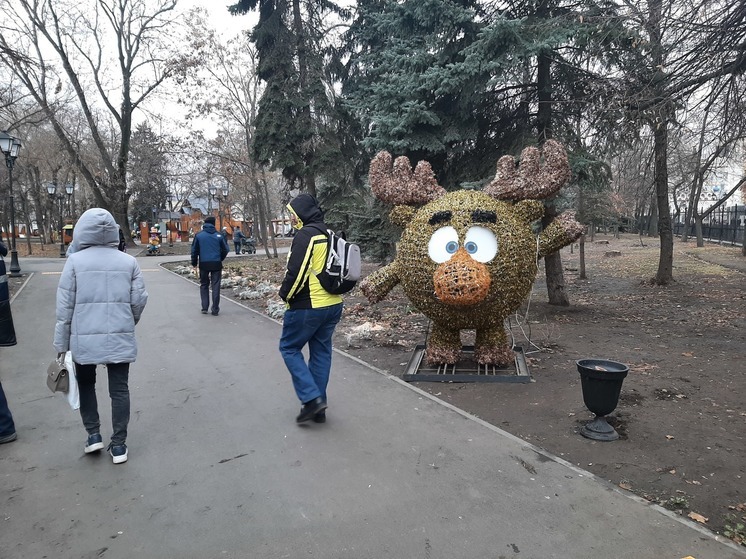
(122, 242)
(97, 324)
(312, 313)
(154, 243)
(209, 249)
(237, 236)
(7, 338)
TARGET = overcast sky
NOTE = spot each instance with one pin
(228, 26)
(219, 16)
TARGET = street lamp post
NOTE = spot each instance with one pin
(212, 190)
(10, 147)
(224, 200)
(170, 200)
(60, 197)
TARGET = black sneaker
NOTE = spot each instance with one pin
(320, 417)
(204, 311)
(94, 443)
(310, 409)
(9, 438)
(118, 453)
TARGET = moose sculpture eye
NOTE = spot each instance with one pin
(481, 243)
(443, 244)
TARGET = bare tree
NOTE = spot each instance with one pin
(68, 48)
(719, 125)
(229, 91)
(682, 47)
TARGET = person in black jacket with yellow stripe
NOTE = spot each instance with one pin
(312, 313)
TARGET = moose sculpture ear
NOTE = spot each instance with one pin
(401, 215)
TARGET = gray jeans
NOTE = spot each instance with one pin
(118, 392)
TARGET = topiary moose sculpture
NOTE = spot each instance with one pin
(467, 259)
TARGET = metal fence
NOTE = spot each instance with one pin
(725, 225)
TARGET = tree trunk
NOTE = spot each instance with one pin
(552, 262)
(698, 230)
(581, 251)
(553, 269)
(664, 276)
(664, 114)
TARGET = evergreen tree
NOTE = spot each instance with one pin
(459, 85)
(297, 113)
(148, 179)
(419, 86)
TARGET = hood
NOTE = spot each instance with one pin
(96, 227)
(306, 209)
(208, 227)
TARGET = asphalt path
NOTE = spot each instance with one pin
(218, 468)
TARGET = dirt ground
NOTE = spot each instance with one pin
(682, 410)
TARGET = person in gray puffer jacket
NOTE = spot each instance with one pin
(100, 298)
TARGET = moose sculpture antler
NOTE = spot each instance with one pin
(467, 259)
(399, 185)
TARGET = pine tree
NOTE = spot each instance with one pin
(148, 181)
(297, 111)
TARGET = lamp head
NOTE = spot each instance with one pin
(51, 188)
(6, 142)
(9, 145)
(69, 189)
(15, 148)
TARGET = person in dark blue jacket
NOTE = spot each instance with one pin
(209, 249)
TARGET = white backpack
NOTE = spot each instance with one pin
(342, 270)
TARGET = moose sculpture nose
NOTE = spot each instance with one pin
(461, 281)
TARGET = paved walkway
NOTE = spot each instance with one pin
(219, 469)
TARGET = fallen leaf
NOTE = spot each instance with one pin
(625, 486)
(671, 471)
(698, 517)
(688, 354)
(669, 437)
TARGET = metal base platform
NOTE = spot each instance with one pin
(466, 370)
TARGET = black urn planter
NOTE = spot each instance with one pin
(601, 381)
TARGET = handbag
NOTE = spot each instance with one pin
(58, 377)
(7, 331)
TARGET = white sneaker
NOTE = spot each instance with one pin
(93, 443)
(118, 453)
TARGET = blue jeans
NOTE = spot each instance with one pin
(314, 327)
(118, 392)
(210, 279)
(7, 427)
